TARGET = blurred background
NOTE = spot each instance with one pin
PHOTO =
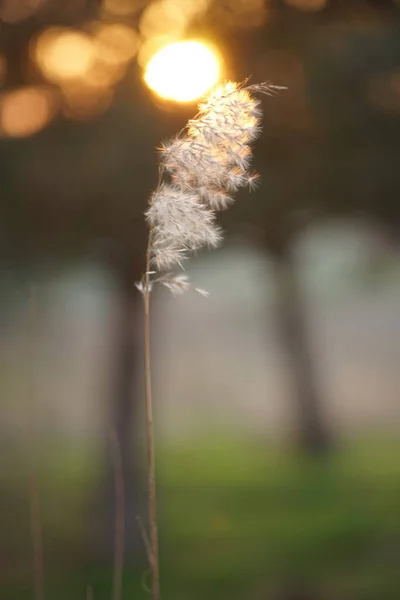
(277, 399)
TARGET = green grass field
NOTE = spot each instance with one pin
(239, 519)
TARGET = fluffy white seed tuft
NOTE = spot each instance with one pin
(204, 166)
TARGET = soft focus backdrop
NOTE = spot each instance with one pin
(277, 399)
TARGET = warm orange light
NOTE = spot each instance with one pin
(192, 8)
(116, 43)
(152, 46)
(183, 71)
(102, 75)
(161, 17)
(26, 111)
(64, 54)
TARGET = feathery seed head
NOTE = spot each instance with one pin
(205, 165)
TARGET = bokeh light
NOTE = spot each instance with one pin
(86, 65)
(115, 43)
(161, 17)
(26, 111)
(183, 71)
(192, 8)
(152, 46)
(164, 22)
(64, 54)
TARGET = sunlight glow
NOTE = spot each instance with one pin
(183, 71)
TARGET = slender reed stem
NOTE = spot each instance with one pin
(34, 503)
(36, 535)
(151, 479)
(119, 516)
(204, 165)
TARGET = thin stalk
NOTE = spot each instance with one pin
(36, 535)
(151, 478)
(119, 516)
(34, 501)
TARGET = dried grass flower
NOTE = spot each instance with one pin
(200, 171)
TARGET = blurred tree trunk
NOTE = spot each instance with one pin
(313, 435)
(123, 422)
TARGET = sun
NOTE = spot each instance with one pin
(183, 71)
